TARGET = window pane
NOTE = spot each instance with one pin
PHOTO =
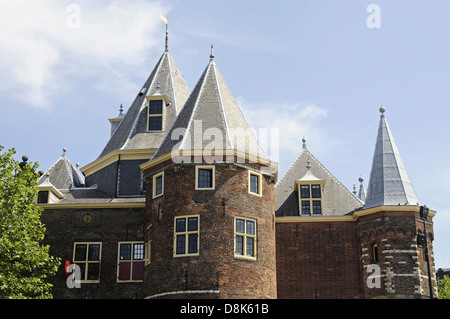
(82, 271)
(254, 181)
(240, 245)
(125, 251)
(250, 246)
(192, 244)
(181, 225)
(148, 234)
(240, 226)
(94, 252)
(155, 123)
(192, 223)
(205, 178)
(250, 227)
(306, 210)
(159, 185)
(181, 244)
(155, 107)
(80, 252)
(317, 207)
(315, 190)
(93, 271)
(304, 191)
(42, 197)
(138, 251)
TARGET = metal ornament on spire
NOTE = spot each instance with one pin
(165, 20)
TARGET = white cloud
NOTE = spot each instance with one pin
(44, 43)
(293, 121)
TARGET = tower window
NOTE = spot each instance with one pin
(254, 183)
(186, 236)
(245, 237)
(204, 177)
(155, 115)
(158, 185)
(148, 244)
(375, 252)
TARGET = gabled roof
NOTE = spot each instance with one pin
(211, 119)
(62, 174)
(132, 132)
(389, 182)
(337, 200)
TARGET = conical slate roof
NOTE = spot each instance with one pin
(389, 182)
(212, 120)
(132, 132)
(337, 199)
(63, 174)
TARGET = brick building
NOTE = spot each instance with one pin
(183, 203)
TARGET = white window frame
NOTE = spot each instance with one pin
(148, 246)
(186, 233)
(259, 175)
(213, 173)
(162, 114)
(155, 177)
(244, 240)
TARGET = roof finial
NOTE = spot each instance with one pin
(212, 52)
(382, 110)
(121, 108)
(164, 19)
(308, 164)
(304, 143)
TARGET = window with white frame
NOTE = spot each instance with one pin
(158, 185)
(148, 236)
(245, 237)
(186, 236)
(310, 199)
(204, 177)
(254, 183)
(87, 256)
(155, 115)
(130, 265)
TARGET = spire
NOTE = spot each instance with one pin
(362, 191)
(209, 119)
(389, 182)
(165, 20)
(132, 133)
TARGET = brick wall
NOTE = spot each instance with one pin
(215, 269)
(108, 226)
(402, 264)
(317, 260)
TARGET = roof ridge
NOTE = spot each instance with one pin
(194, 109)
(222, 111)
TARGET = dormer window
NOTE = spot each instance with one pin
(310, 189)
(155, 115)
(311, 199)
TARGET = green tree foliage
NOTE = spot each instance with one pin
(25, 264)
(444, 288)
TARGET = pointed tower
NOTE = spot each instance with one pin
(394, 264)
(137, 135)
(210, 203)
(389, 182)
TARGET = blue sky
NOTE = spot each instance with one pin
(308, 68)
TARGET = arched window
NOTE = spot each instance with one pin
(374, 252)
